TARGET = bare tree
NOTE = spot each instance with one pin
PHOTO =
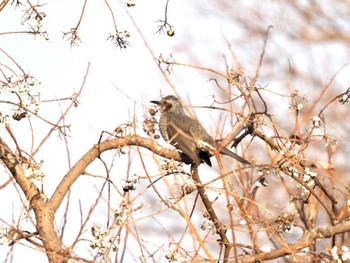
(292, 203)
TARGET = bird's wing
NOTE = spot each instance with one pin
(192, 139)
(179, 131)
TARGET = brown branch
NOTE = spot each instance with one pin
(65, 113)
(79, 168)
(3, 4)
(43, 214)
(256, 76)
(19, 105)
(318, 99)
(237, 129)
(306, 240)
(219, 227)
(289, 156)
(12, 162)
(112, 14)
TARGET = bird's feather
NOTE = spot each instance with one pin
(181, 132)
(213, 148)
(233, 155)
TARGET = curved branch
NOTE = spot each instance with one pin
(13, 163)
(43, 214)
(306, 240)
(79, 168)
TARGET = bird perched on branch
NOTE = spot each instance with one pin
(187, 134)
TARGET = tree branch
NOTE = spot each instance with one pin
(43, 214)
(3, 4)
(306, 240)
(219, 227)
(79, 168)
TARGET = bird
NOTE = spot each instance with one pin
(187, 134)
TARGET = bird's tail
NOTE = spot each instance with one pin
(233, 155)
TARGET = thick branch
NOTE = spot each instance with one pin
(238, 127)
(13, 163)
(43, 215)
(79, 168)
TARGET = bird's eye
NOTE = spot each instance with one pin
(167, 105)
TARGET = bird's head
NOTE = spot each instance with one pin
(170, 104)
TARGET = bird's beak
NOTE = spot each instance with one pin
(155, 102)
